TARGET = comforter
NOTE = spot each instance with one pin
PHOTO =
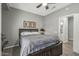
(32, 43)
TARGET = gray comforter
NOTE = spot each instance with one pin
(32, 43)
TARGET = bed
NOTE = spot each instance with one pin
(39, 45)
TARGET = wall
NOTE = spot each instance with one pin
(70, 28)
(12, 20)
(51, 22)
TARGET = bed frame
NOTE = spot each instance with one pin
(53, 50)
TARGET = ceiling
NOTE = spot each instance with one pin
(31, 7)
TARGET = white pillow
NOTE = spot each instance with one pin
(25, 33)
(29, 33)
(35, 33)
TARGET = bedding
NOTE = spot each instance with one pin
(32, 43)
(29, 33)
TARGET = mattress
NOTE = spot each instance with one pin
(32, 43)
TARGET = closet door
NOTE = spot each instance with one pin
(76, 34)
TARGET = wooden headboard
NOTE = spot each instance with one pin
(25, 30)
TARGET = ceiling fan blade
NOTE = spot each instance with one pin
(39, 5)
(46, 7)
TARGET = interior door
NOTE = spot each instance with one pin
(63, 29)
(76, 34)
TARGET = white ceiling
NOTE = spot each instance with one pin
(31, 7)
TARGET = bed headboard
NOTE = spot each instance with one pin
(26, 30)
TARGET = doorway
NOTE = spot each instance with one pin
(66, 28)
(66, 33)
(70, 31)
(70, 28)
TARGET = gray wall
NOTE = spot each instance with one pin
(12, 20)
(70, 28)
(52, 20)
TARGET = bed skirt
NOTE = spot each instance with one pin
(53, 50)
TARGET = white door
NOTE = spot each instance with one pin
(63, 29)
(0, 28)
(76, 34)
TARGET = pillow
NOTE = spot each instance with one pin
(35, 33)
(51, 33)
(25, 33)
(29, 33)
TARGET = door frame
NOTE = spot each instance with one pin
(65, 16)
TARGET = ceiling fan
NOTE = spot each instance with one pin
(46, 5)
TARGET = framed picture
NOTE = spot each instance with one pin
(29, 24)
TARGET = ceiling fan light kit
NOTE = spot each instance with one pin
(44, 4)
